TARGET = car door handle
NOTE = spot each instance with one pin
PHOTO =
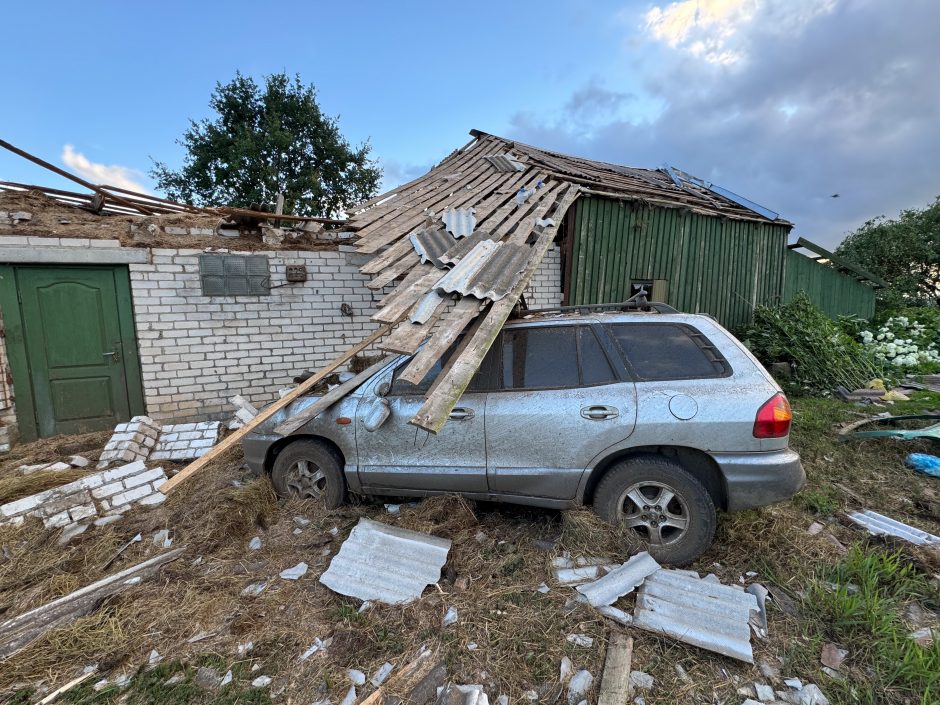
(599, 412)
(460, 413)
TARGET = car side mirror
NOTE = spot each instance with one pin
(376, 415)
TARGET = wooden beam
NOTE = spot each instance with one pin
(406, 297)
(327, 400)
(841, 263)
(268, 412)
(54, 695)
(434, 412)
(23, 629)
(452, 325)
(615, 682)
(404, 683)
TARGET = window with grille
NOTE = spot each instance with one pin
(234, 275)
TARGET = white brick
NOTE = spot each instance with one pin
(152, 500)
(143, 477)
(57, 520)
(108, 490)
(83, 512)
(130, 495)
(130, 469)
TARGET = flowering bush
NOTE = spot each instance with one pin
(904, 343)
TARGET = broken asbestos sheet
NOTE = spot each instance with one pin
(386, 564)
(699, 612)
(619, 581)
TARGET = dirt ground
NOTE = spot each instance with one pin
(193, 613)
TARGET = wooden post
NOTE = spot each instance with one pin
(615, 682)
(267, 413)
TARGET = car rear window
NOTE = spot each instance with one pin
(665, 351)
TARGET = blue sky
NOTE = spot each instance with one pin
(784, 101)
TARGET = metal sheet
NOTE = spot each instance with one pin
(459, 221)
(619, 581)
(488, 271)
(505, 162)
(698, 612)
(386, 564)
(431, 243)
(880, 525)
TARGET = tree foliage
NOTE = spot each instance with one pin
(905, 252)
(265, 140)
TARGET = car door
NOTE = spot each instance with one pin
(562, 400)
(399, 456)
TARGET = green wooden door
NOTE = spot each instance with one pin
(78, 333)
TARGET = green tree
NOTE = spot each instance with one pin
(905, 252)
(266, 140)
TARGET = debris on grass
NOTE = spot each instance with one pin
(385, 563)
(641, 680)
(832, 655)
(578, 687)
(264, 681)
(924, 463)
(381, 674)
(880, 525)
(255, 544)
(356, 676)
(450, 617)
(580, 640)
(295, 573)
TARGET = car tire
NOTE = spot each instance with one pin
(310, 470)
(630, 494)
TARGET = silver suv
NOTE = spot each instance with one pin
(653, 418)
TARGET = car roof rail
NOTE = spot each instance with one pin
(637, 302)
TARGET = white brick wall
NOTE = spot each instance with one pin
(545, 288)
(198, 351)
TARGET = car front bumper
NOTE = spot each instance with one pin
(755, 479)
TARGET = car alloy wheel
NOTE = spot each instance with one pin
(655, 511)
(306, 479)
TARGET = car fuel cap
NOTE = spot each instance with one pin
(683, 407)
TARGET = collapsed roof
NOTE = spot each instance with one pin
(466, 238)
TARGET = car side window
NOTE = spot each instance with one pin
(595, 368)
(668, 351)
(540, 358)
(479, 383)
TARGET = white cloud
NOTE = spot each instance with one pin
(719, 31)
(109, 174)
(824, 102)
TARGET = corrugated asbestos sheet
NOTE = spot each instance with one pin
(386, 563)
(505, 162)
(880, 525)
(699, 612)
(619, 581)
(431, 243)
(488, 271)
(459, 221)
(473, 195)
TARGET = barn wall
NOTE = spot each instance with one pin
(835, 293)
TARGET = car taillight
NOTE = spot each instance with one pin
(773, 418)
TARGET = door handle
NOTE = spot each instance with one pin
(460, 413)
(599, 412)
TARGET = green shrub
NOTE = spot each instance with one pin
(821, 355)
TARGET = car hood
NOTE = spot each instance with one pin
(295, 407)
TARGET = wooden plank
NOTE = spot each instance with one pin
(461, 346)
(433, 413)
(407, 338)
(414, 275)
(452, 325)
(402, 684)
(395, 310)
(615, 682)
(29, 626)
(405, 264)
(61, 690)
(233, 438)
(390, 256)
(327, 400)
(494, 220)
(545, 197)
